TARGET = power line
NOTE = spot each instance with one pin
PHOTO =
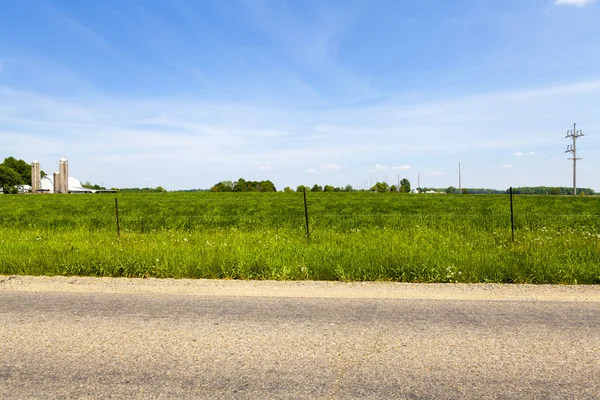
(574, 134)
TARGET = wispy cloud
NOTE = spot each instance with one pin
(310, 171)
(264, 167)
(436, 173)
(330, 167)
(506, 166)
(576, 3)
(110, 134)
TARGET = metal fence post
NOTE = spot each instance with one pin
(117, 214)
(306, 215)
(512, 215)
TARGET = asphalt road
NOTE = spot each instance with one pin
(161, 345)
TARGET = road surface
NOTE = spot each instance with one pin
(86, 338)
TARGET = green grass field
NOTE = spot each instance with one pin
(354, 236)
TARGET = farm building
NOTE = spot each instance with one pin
(74, 185)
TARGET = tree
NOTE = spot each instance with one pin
(405, 185)
(287, 189)
(89, 185)
(349, 188)
(328, 188)
(266, 186)
(555, 191)
(9, 179)
(316, 188)
(380, 187)
(240, 185)
(465, 191)
(451, 190)
(301, 188)
(20, 167)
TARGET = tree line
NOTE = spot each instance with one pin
(242, 185)
(13, 173)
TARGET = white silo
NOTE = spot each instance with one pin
(55, 180)
(63, 176)
(35, 177)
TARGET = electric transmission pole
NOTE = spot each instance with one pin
(574, 134)
(459, 180)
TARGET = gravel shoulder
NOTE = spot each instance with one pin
(302, 289)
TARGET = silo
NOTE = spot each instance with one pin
(55, 180)
(63, 168)
(35, 177)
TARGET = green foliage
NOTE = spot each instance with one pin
(9, 179)
(380, 187)
(354, 236)
(555, 191)
(316, 188)
(158, 189)
(551, 190)
(405, 185)
(244, 186)
(301, 188)
(89, 185)
(22, 168)
(328, 188)
(451, 190)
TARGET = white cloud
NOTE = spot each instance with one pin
(106, 137)
(379, 167)
(506, 166)
(265, 167)
(436, 173)
(330, 167)
(576, 3)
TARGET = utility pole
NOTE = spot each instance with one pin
(574, 134)
(459, 180)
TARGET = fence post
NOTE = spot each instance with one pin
(512, 215)
(117, 213)
(306, 215)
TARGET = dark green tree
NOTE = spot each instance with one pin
(316, 188)
(20, 167)
(405, 185)
(240, 185)
(9, 179)
(380, 187)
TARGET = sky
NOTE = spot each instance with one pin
(184, 93)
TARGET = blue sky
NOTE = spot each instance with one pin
(186, 93)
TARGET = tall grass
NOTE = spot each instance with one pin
(354, 236)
